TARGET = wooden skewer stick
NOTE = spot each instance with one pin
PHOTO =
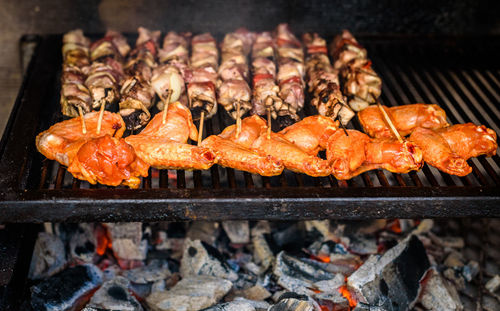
(389, 122)
(166, 102)
(269, 102)
(101, 114)
(238, 119)
(200, 131)
(80, 112)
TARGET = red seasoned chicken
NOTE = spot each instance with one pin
(311, 133)
(164, 145)
(62, 140)
(406, 118)
(448, 149)
(355, 153)
(109, 161)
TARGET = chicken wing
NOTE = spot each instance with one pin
(231, 154)
(406, 118)
(311, 133)
(448, 149)
(62, 141)
(109, 161)
(164, 145)
(355, 153)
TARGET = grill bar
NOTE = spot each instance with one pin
(412, 71)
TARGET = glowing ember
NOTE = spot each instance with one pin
(103, 241)
(322, 258)
(395, 226)
(347, 295)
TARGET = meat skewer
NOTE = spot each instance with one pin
(106, 71)
(136, 91)
(265, 98)
(406, 118)
(290, 72)
(201, 87)
(360, 83)
(323, 81)
(169, 77)
(75, 96)
(234, 94)
(449, 148)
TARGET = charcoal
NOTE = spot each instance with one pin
(291, 237)
(256, 292)
(454, 260)
(395, 276)
(293, 302)
(83, 243)
(64, 289)
(299, 275)
(470, 270)
(127, 240)
(262, 252)
(490, 303)
(456, 277)
(493, 284)
(437, 295)
(237, 231)
(453, 242)
(259, 305)
(202, 259)
(318, 230)
(156, 270)
(49, 256)
(344, 264)
(115, 295)
(362, 244)
(232, 306)
(190, 294)
(206, 231)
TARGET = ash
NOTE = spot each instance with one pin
(290, 266)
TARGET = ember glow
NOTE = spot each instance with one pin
(347, 295)
(103, 241)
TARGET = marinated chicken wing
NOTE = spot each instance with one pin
(109, 161)
(311, 133)
(164, 145)
(355, 153)
(449, 148)
(230, 154)
(62, 141)
(406, 118)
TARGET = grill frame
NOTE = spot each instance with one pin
(443, 70)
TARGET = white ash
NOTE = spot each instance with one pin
(49, 256)
(438, 295)
(156, 270)
(206, 231)
(232, 306)
(83, 243)
(196, 260)
(128, 243)
(115, 295)
(238, 231)
(190, 294)
(259, 305)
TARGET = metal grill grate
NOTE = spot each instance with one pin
(461, 75)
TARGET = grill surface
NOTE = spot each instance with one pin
(462, 75)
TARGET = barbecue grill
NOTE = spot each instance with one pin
(461, 74)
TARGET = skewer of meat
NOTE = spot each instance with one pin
(75, 96)
(290, 72)
(106, 71)
(265, 90)
(360, 83)
(169, 77)
(136, 91)
(323, 81)
(201, 87)
(233, 91)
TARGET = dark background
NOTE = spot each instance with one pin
(327, 17)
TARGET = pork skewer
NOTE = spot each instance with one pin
(201, 87)
(233, 91)
(75, 96)
(136, 91)
(169, 77)
(106, 71)
(323, 81)
(266, 100)
(290, 72)
(360, 83)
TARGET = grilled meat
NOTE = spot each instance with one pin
(164, 145)
(109, 161)
(449, 148)
(323, 82)
(405, 118)
(62, 140)
(352, 154)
